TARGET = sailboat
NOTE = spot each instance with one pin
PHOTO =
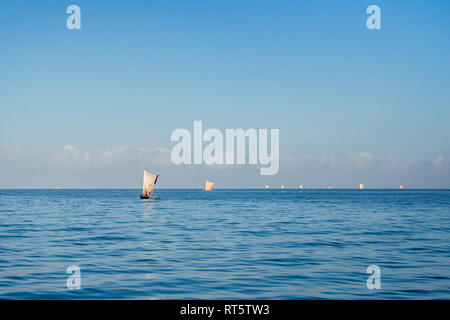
(208, 185)
(361, 186)
(149, 185)
(267, 187)
(301, 187)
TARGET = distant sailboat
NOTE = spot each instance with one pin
(361, 186)
(148, 185)
(401, 187)
(301, 187)
(329, 187)
(282, 187)
(208, 185)
(267, 187)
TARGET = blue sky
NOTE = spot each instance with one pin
(369, 106)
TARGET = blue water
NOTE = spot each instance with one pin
(225, 244)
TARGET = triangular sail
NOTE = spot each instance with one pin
(208, 185)
(149, 182)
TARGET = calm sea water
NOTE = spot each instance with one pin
(225, 244)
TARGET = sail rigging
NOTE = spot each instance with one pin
(149, 183)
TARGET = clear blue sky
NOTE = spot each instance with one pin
(137, 70)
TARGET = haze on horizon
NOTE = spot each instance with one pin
(92, 108)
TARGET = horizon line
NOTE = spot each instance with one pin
(238, 188)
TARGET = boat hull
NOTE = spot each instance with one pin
(149, 198)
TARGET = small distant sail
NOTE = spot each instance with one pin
(401, 187)
(300, 187)
(267, 187)
(57, 188)
(149, 183)
(282, 187)
(361, 186)
(329, 187)
(208, 185)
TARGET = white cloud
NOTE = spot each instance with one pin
(359, 162)
(114, 157)
(373, 169)
(441, 163)
(68, 156)
(119, 166)
(111, 157)
(9, 153)
(159, 156)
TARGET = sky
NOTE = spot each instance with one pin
(91, 108)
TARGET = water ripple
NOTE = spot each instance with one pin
(228, 244)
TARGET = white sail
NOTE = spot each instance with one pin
(149, 182)
(361, 186)
(267, 187)
(301, 187)
(208, 185)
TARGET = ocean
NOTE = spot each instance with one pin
(225, 244)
